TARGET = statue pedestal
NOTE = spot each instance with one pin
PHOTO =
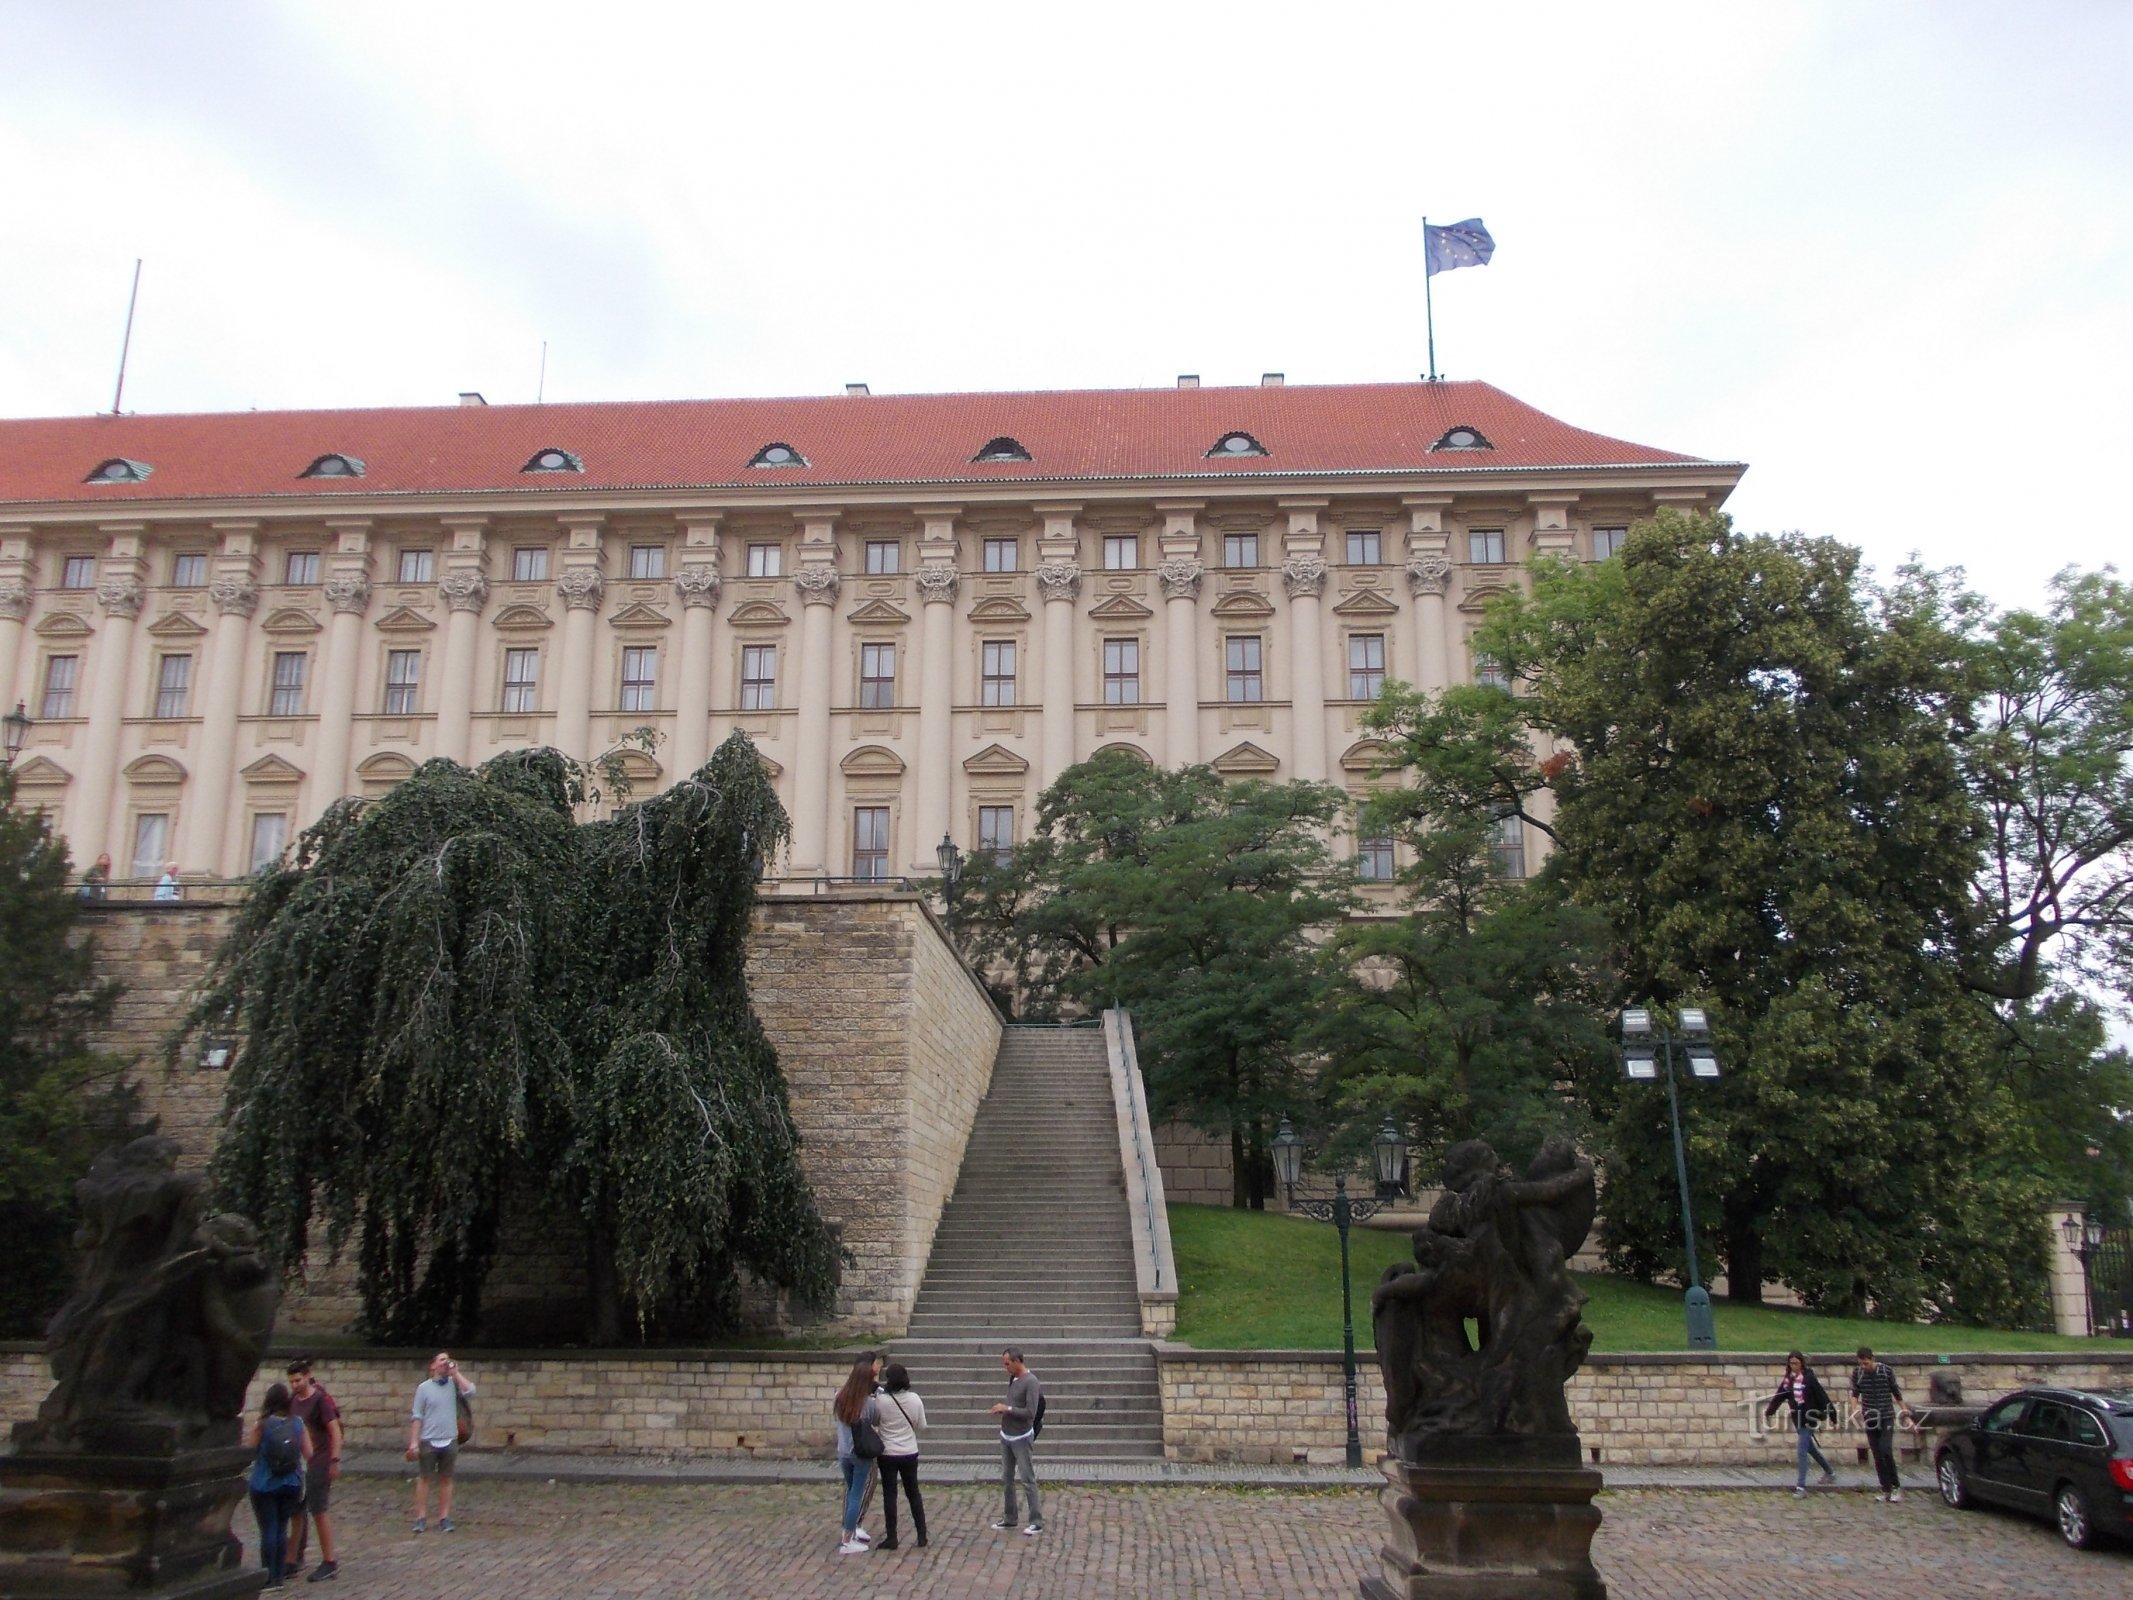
(1490, 1519)
(76, 1526)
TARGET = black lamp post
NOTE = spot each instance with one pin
(1646, 1044)
(2084, 1236)
(16, 726)
(951, 860)
(1388, 1154)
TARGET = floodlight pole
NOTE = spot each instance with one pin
(1696, 1303)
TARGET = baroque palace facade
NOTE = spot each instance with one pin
(921, 608)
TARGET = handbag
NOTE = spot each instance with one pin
(866, 1438)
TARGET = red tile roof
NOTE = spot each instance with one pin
(846, 440)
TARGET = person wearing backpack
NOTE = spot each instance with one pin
(276, 1481)
(902, 1414)
(1021, 1417)
(1800, 1389)
(433, 1434)
(858, 1447)
(311, 1405)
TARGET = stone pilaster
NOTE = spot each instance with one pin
(1303, 573)
(465, 588)
(347, 590)
(582, 587)
(121, 595)
(696, 584)
(234, 590)
(816, 585)
(937, 583)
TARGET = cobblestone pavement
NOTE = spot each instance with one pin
(541, 1541)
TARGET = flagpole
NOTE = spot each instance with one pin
(1429, 310)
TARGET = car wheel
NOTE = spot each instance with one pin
(2072, 1509)
(1954, 1487)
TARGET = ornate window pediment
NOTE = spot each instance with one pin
(639, 615)
(1124, 749)
(42, 772)
(1119, 608)
(522, 619)
(177, 625)
(1365, 756)
(757, 614)
(872, 761)
(1367, 603)
(642, 770)
(154, 770)
(879, 612)
(404, 619)
(996, 761)
(1480, 592)
(272, 770)
(771, 769)
(290, 620)
(64, 625)
(1246, 760)
(998, 609)
(382, 771)
(1243, 603)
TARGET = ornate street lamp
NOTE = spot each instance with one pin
(951, 860)
(1388, 1153)
(1647, 1044)
(16, 725)
(2084, 1237)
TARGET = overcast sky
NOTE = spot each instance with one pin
(1881, 252)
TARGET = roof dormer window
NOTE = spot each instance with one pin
(1235, 445)
(119, 470)
(334, 466)
(777, 455)
(1462, 438)
(553, 460)
(1002, 449)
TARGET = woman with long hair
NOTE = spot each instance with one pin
(1800, 1389)
(902, 1414)
(280, 1447)
(853, 1408)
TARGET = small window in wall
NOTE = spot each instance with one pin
(1484, 545)
(61, 674)
(1373, 859)
(301, 566)
(998, 686)
(188, 570)
(1608, 542)
(1002, 555)
(996, 833)
(1364, 548)
(78, 572)
(418, 566)
(1246, 684)
(648, 561)
(174, 681)
(759, 677)
(151, 844)
(1122, 552)
(529, 564)
(286, 699)
(403, 682)
(870, 843)
(640, 678)
(765, 560)
(877, 676)
(1507, 845)
(1489, 672)
(522, 680)
(270, 831)
(1122, 672)
(1366, 665)
(1240, 549)
(884, 556)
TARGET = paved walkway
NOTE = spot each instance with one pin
(527, 1539)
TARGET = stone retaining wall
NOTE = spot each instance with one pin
(1633, 1409)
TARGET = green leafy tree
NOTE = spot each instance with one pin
(60, 1101)
(458, 992)
(1192, 902)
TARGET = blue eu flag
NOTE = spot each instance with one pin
(1461, 244)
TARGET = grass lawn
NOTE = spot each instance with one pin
(1262, 1281)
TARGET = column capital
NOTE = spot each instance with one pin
(348, 592)
(16, 597)
(464, 591)
(697, 584)
(1180, 577)
(235, 594)
(1058, 580)
(121, 596)
(937, 582)
(582, 588)
(1428, 574)
(817, 585)
(1304, 576)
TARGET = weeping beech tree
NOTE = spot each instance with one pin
(458, 992)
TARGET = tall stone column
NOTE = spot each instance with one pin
(348, 593)
(1180, 577)
(937, 583)
(1428, 576)
(235, 593)
(1058, 582)
(697, 585)
(121, 596)
(816, 585)
(465, 593)
(1305, 577)
(582, 589)
(16, 598)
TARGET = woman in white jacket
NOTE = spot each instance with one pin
(900, 1414)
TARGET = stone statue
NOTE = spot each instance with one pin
(169, 1319)
(1487, 1497)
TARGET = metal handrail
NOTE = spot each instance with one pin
(1143, 1137)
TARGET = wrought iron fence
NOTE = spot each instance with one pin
(2108, 1265)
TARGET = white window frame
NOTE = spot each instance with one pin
(1485, 547)
(991, 821)
(1244, 669)
(1122, 552)
(529, 563)
(759, 677)
(1003, 555)
(877, 674)
(997, 662)
(1366, 678)
(57, 702)
(1240, 550)
(870, 860)
(766, 560)
(884, 557)
(188, 570)
(648, 562)
(417, 565)
(174, 685)
(1122, 672)
(1366, 547)
(299, 567)
(640, 677)
(522, 681)
(403, 683)
(287, 673)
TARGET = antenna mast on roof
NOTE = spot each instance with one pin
(540, 390)
(126, 344)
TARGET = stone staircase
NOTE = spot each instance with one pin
(1035, 1250)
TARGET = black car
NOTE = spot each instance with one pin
(2066, 1454)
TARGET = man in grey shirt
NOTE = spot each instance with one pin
(1018, 1431)
(433, 1437)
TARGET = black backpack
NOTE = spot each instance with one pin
(278, 1443)
(1036, 1422)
